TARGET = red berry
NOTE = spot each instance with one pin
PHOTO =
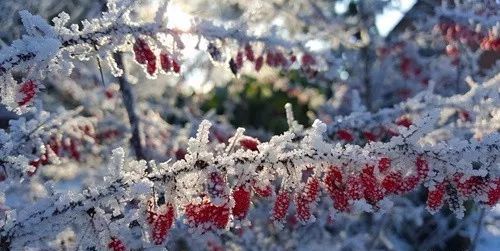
(138, 48)
(176, 66)
(108, 93)
(422, 168)
(280, 59)
(249, 53)
(369, 136)
(306, 199)
(336, 189)
(239, 59)
(404, 121)
(258, 63)
(494, 192)
(464, 115)
(307, 59)
(340, 200)
(345, 135)
(392, 182)
(163, 224)
(116, 244)
(333, 179)
(263, 191)
(409, 183)
(28, 89)
(144, 55)
(281, 205)
(355, 189)
(384, 164)
(249, 143)
(151, 67)
(270, 59)
(473, 186)
(372, 189)
(166, 62)
(241, 197)
(207, 215)
(435, 197)
(180, 153)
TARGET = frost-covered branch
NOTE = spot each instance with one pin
(211, 182)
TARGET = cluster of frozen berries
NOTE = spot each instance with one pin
(275, 58)
(219, 203)
(454, 32)
(456, 190)
(145, 55)
(66, 146)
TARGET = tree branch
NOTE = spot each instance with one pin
(129, 103)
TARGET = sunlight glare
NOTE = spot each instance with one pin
(177, 18)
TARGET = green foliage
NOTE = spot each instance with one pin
(250, 103)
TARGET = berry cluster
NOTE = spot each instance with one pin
(272, 57)
(345, 188)
(454, 33)
(169, 63)
(144, 55)
(66, 146)
(457, 189)
(213, 211)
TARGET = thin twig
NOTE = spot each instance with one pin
(129, 102)
(100, 66)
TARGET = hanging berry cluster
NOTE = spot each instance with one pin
(220, 203)
(272, 57)
(145, 55)
(456, 190)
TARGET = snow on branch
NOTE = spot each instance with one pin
(211, 189)
(46, 48)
